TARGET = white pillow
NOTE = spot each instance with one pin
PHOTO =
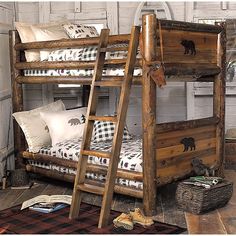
(65, 125)
(80, 31)
(27, 35)
(33, 126)
(54, 32)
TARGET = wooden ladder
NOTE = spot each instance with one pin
(79, 185)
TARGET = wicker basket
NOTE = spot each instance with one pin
(198, 200)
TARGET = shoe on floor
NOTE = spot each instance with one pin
(139, 218)
(124, 220)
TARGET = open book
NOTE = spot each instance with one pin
(47, 199)
(47, 207)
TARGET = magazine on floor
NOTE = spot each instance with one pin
(47, 207)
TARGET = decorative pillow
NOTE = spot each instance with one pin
(65, 125)
(33, 126)
(27, 35)
(104, 131)
(54, 32)
(80, 31)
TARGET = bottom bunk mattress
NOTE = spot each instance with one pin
(130, 158)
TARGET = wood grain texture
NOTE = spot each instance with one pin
(149, 39)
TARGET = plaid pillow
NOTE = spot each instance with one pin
(104, 131)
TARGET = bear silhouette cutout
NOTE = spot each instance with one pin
(189, 144)
(189, 47)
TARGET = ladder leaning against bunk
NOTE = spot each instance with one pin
(79, 185)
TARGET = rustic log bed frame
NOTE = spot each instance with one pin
(164, 158)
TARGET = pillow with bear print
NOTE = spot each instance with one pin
(75, 31)
(65, 125)
(34, 128)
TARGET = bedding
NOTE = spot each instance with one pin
(130, 158)
(81, 54)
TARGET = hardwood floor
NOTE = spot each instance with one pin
(220, 221)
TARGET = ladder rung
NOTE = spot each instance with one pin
(96, 153)
(91, 189)
(109, 83)
(104, 118)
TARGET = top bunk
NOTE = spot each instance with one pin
(187, 51)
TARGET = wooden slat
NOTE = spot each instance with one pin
(96, 153)
(70, 43)
(91, 189)
(72, 80)
(70, 64)
(104, 118)
(125, 174)
(183, 125)
(109, 83)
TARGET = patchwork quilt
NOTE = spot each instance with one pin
(130, 158)
(81, 54)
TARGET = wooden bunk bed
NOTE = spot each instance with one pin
(191, 52)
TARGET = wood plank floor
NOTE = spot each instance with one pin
(220, 221)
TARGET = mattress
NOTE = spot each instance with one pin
(81, 54)
(130, 158)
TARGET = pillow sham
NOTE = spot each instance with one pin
(27, 35)
(80, 31)
(65, 125)
(33, 126)
(230, 133)
(54, 32)
(104, 131)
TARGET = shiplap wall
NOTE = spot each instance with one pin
(172, 103)
(6, 136)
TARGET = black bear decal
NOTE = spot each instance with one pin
(189, 143)
(189, 47)
(74, 121)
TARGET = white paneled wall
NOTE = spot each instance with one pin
(6, 136)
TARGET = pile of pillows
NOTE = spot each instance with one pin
(51, 31)
(52, 124)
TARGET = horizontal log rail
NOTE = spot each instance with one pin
(137, 80)
(182, 125)
(136, 176)
(187, 26)
(70, 178)
(70, 43)
(71, 64)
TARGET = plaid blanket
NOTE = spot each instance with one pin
(15, 221)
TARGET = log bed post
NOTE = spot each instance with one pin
(149, 39)
(17, 96)
(219, 99)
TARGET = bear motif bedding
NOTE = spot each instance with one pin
(81, 54)
(130, 158)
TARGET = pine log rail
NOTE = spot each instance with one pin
(70, 178)
(136, 176)
(70, 43)
(189, 124)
